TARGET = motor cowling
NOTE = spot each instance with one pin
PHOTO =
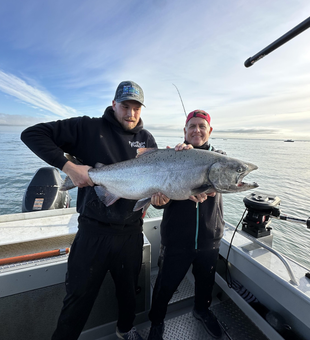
(43, 191)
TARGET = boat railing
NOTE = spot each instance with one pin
(273, 251)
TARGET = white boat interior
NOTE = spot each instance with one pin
(31, 291)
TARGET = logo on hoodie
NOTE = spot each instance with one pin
(137, 144)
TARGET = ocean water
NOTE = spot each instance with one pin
(283, 170)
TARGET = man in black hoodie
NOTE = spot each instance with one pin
(191, 231)
(108, 238)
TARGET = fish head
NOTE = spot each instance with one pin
(227, 174)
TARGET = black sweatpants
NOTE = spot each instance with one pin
(90, 258)
(173, 266)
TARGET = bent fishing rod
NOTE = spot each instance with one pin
(279, 42)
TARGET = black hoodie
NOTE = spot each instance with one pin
(91, 140)
(186, 225)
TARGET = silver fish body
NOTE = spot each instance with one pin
(176, 174)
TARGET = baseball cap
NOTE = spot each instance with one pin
(200, 114)
(129, 90)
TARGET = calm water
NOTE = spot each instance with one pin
(283, 171)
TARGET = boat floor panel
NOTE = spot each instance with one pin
(235, 323)
(182, 325)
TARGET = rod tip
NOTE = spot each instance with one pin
(248, 62)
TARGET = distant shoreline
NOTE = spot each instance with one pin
(19, 129)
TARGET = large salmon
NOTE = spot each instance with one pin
(176, 174)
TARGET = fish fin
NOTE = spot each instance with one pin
(143, 203)
(67, 184)
(105, 196)
(146, 207)
(201, 189)
(99, 165)
(145, 151)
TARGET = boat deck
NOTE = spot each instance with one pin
(181, 325)
(259, 271)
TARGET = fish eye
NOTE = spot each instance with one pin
(240, 170)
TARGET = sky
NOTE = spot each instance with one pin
(65, 58)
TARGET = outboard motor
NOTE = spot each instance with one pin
(43, 191)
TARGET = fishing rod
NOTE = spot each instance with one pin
(294, 219)
(279, 42)
(181, 100)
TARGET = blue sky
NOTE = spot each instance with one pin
(65, 58)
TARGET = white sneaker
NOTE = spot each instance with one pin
(131, 335)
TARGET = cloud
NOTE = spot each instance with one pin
(258, 131)
(28, 94)
(174, 129)
(79, 52)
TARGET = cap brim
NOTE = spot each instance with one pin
(130, 98)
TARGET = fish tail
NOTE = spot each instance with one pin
(67, 184)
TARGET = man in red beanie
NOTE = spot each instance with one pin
(191, 231)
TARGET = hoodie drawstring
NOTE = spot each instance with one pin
(197, 225)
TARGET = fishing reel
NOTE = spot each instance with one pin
(260, 208)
